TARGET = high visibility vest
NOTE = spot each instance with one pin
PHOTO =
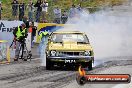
(19, 32)
(42, 34)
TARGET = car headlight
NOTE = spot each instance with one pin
(81, 53)
(53, 53)
(87, 53)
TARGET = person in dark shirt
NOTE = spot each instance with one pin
(0, 9)
(34, 28)
(64, 17)
(15, 9)
(21, 10)
(39, 9)
(26, 21)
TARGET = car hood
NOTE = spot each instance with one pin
(70, 46)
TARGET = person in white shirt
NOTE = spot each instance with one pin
(44, 6)
(57, 15)
(30, 10)
(72, 11)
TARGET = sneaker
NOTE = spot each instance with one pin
(15, 59)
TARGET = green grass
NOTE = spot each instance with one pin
(63, 4)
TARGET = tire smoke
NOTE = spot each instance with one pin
(110, 35)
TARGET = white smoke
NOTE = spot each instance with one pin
(108, 34)
(42, 47)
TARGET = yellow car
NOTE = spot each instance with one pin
(69, 48)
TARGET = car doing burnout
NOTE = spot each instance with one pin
(69, 48)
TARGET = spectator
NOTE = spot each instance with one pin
(21, 10)
(64, 17)
(39, 9)
(79, 11)
(72, 11)
(0, 9)
(44, 10)
(57, 15)
(25, 20)
(79, 8)
(34, 28)
(14, 9)
(30, 10)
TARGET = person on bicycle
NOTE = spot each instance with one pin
(20, 33)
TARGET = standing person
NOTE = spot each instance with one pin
(25, 20)
(21, 10)
(30, 10)
(0, 10)
(20, 33)
(79, 8)
(44, 6)
(72, 11)
(32, 29)
(64, 17)
(15, 9)
(57, 15)
(39, 9)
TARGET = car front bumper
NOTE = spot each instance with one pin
(71, 58)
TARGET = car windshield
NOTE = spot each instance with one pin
(79, 38)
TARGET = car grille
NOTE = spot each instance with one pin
(69, 53)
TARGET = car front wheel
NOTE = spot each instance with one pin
(90, 65)
(87, 65)
(49, 65)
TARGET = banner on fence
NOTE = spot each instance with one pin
(51, 27)
(6, 29)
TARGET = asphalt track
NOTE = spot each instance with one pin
(31, 75)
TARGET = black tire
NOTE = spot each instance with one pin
(25, 59)
(82, 80)
(15, 59)
(90, 67)
(48, 64)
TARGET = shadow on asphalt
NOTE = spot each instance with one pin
(64, 68)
